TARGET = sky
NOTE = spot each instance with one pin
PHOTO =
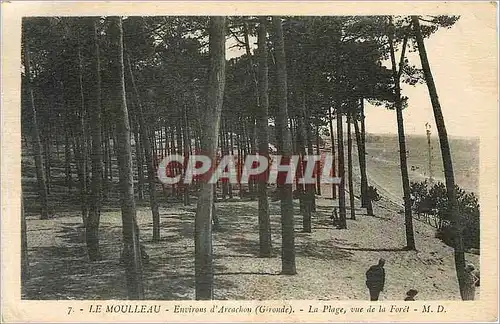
(464, 64)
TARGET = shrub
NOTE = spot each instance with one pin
(427, 198)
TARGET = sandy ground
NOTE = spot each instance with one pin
(331, 263)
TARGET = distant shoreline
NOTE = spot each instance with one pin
(433, 135)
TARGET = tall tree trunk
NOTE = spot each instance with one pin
(92, 226)
(107, 162)
(297, 146)
(80, 169)
(362, 168)
(132, 250)
(25, 264)
(67, 150)
(211, 120)
(148, 156)
(361, 156)
(311, 198)
(340, 143)
(187, 149)
(368, 202)
(160, 144)
(265, 245)
(48, 159)
(165, 129)
(37, 145)
(241, 157)
(180, 145)
(154, 146)
(225, 151)
(82, 142)
(111, 150)
(140, 162)
(455, 217)
(332, 139)
(285, 150)
(410, 239)
(253, 126)
(318, 169)
(231, 146)
(349, 166)
(251, 150)
(306, 192)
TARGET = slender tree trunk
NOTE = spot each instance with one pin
(455, 217)
(47, 139)
(160, 144)
(58, 146)
(265, 244)
(165, 129)
(48, 160)
(132, 250)
(318, 168)
(241, 157)
(332, 139)
(297, 146)
(107, 162)
(410, 239)
(37, 145)
(82, 139)
(67, 150)
(225, 152)
(252, 132)
(80, 168)
(146, 145)
(231, 146)
(251, 150)
(179, 151)
(154, 146)
(306, 192)
(111, 150)
(285, 150)
(361, 157)
(362, 167)
(140, 162)
(92, 226)
(67, 162)
(211, 120)
(187, 149)
(340, 140)
(25, 264)
(311, 198)
(368, 201)
(349, 166)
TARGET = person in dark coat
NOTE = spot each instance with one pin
(410, 294)
(375, 279)
(471, 282)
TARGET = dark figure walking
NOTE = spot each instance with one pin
(375, 279)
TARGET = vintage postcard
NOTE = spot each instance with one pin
(249, 161)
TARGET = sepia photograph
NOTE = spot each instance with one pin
(255, 157)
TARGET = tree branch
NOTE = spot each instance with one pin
(147, 31)
(236, 37)
(401, 60)
(426, 20)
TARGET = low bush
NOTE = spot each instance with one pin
(432, 199)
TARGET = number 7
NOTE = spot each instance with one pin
(70, 309)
